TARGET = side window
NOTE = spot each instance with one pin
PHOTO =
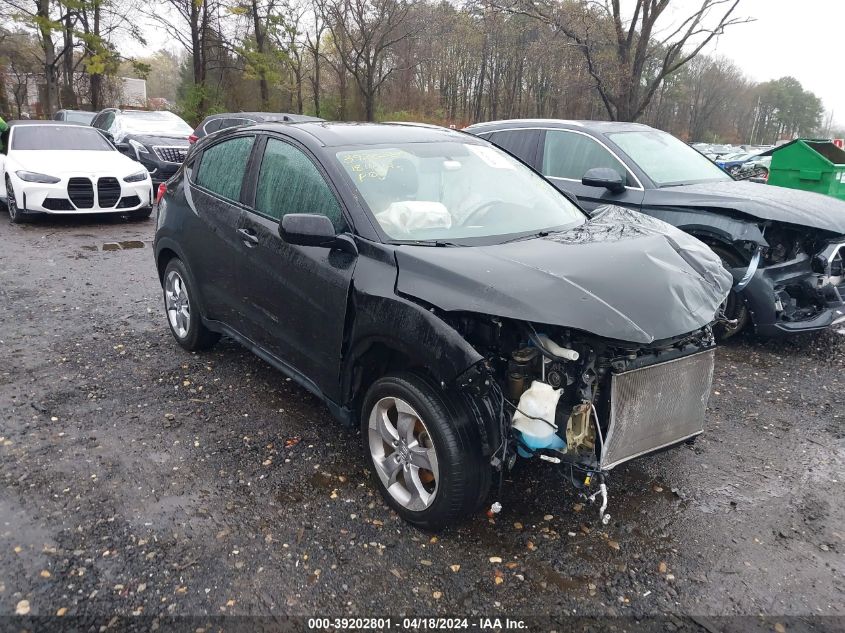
(235, 122)
(570, 155)
(520, 143)
(288, 182)
(222, 167)
(212, 126)
(105, 122)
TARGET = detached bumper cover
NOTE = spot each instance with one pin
(657, 406)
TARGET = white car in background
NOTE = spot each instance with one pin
(62, 169)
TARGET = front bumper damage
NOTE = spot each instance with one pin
(804, 294)
(640, 405)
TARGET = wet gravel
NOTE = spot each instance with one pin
(139, 480)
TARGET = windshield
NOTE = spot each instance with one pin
(58, 137)
(79, 117)
(667, 160)
(153, 123)
(449, 190)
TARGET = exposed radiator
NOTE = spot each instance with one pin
(656, 406)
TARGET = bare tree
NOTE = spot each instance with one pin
(313, 42)
(371, 28)
(197, 16)
(629, 53)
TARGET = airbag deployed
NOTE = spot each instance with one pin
(403, 218)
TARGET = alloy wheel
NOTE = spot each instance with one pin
(403, 453)
(11, 203)
(177, 304)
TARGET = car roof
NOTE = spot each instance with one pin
(16, 122)
(263, 116)
(332, 134)
(601, 127)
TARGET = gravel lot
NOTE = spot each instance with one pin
(140, 480)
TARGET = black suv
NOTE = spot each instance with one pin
(784, 247)
(445, 297)
(156, 139)
(223, 120)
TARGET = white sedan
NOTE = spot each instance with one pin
(50, 167)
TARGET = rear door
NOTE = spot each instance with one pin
(214, 190)
(566, 155)
(297, 294)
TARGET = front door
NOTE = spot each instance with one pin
(567, 155)
(297, 294)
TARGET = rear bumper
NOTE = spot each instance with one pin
(794, 296)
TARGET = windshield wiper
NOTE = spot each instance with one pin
(531, 236)
(440, 243)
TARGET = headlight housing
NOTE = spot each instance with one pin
(138, 147)
(31, 176)
(141, 175)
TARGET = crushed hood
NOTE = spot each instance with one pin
(766, 202)
(621, 275)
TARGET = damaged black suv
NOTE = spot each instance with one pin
(783, 247)
(446, 298)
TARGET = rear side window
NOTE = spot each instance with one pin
(288, 182)
(222, 167)
(212, 126)
(570, 155)
(520, 143)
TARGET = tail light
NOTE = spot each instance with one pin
(162, 189)
(193, 138)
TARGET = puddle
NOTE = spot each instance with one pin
(116, 246)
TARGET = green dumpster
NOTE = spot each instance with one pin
(811, 165)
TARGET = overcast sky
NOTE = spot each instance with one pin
(801, 38)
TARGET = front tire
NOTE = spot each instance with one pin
(15, 214)
(424, 451)
(734, 306)
(182, 309)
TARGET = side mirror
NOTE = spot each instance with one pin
(125, 148)
(307, 229)
(605, 177)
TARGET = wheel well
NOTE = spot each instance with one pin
(163, 259)
(378, 360)
(716, 243)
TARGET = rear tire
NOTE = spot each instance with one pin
(182, 309)
(424, 451)
(734, 307)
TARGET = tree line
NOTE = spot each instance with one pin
(443, 62)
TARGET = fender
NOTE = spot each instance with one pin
(168, 243)
(377, 315)
(707, 223)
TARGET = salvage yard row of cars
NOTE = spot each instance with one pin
(520, 289)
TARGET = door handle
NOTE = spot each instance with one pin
(249, 237)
